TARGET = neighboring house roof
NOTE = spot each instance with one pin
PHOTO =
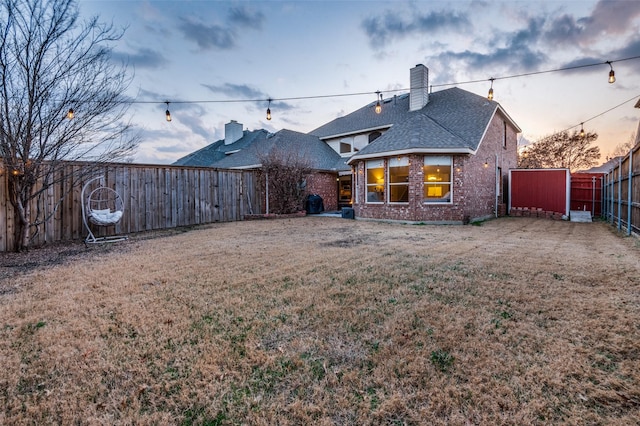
(320, 155)
(216, 151)
(603, 168)
(453, 120)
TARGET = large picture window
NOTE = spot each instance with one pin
(375, 181)
(399, 180)
(437, 178)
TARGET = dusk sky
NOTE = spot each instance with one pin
(205, 56)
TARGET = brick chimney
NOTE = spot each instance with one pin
(419, 84)
(232, 132)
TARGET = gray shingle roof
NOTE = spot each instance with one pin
(216, 151)
(319, 154)
(393, 110)
(453, 119)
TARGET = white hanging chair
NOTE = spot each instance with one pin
(102, 207)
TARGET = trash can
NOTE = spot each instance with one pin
(314, 204)
(348, 213)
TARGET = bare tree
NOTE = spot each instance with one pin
(623, 148)
(284, 172)
(568, 150)
(62, 99)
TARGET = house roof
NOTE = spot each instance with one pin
(319, 154)
(453, 120)
(393, 110)
(216, 151)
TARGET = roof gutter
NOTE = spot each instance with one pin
(359, 132)
(412, 151)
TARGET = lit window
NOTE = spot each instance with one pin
(399, 180)
(437, 179)
(375, 181)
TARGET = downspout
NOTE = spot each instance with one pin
(496, 177)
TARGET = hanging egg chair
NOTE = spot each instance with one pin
(101, 206)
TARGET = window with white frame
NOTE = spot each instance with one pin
(399, 180)
(437, 178)
(375, 181)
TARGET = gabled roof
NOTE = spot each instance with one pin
(393, 110)
(216, 151)
(319, 154)
(453, 120)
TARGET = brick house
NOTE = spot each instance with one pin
(243, 149)
(440, 157)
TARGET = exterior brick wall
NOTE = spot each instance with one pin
(326, 186)
(474, 183)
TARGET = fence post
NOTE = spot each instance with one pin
(629, 190)
(593, 196)
(620, 193)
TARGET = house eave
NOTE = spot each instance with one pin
(357, 132)
(508, 117)
(412, 151)
(251, 166)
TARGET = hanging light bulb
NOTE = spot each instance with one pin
(490, 96)
(612, 74)
(167, 113)
(582, 130)
(378, 108)
(269, 109)
(70, 114)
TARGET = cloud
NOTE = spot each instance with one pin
(382, 29)
(515, 49)
(565, 30)
(612, 17)
(607, 18)
(208, 36)
(221, 37)
(237, 91)
(630, 50)
(246, 18)
(141, 58)
(195, 124)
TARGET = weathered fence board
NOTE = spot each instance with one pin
(622, 193)
(155, 197)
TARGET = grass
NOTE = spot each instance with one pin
(325, 321)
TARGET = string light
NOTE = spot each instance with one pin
(582, 130)
(70, 114)
(378, 107)
(612, 74)
(337, 95)
(379, 93)
(490, 95)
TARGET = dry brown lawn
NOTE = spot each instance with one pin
(328, 321)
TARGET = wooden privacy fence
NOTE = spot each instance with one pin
(622, 193)
(155, 198)
(586, 192)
